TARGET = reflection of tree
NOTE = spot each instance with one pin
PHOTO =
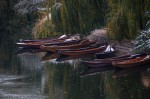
(5, 14)
(13, 25)
(29, 63)
(127, 87)
(63, 81)
(146, 79)
(7, 58)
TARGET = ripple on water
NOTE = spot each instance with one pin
(15, 87)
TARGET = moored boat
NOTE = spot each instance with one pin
(134, 62)
(44, 39)
(38, 44)
(108, 61)
(90, 50)
(71, 46)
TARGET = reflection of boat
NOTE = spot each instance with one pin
(64, 58)
(124, 72)
(49, 56)
(29, 50)
(108, 61)
(93, 71)
(72, 46)
(84, 51)
(109, 52)
(96, 64)
(129, 63)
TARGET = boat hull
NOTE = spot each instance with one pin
(71, 46)
(38, 44)
(105, 55)
(130, 63)
(109, 61)
(82, 52)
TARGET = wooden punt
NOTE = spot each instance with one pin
(45, 39)
(83, 51)
(130, 63)
(72, 46)
(35, 43)
(25, 44)
(108, 61)
(38, 44)
(123, 57)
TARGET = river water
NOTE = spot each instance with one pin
(29, 76)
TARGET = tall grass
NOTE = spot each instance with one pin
(126, 17)
(123, 18)
(79, 16)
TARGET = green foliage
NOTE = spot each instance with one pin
(78, 16)
(126, 17)
(123, 18)
(56, 17)
(46, 29)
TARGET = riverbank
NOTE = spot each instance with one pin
(121, 47)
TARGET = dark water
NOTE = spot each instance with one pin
(26, 76)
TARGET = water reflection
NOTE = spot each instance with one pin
(27, 76)
(100, 85)
(145, 77)
(129, 71)
(20, 76)
(65, 81)
(28, 50)
(95, 71)
(49, 56)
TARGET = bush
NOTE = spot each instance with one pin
(142, 42)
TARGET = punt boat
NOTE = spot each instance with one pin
(71, 46)
(84, 51)
(107, 62)
(134, 62)
(38, 44)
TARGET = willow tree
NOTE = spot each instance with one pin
(78, 16)
(5, 15)
(126, 17)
